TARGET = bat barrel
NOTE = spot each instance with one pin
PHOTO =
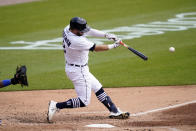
(138, 53)
(135, 51)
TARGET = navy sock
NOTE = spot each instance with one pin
(6, 82)
(106, 100)
(71, 103)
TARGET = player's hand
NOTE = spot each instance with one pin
(111, 36)
(117, 43)
(21, 77)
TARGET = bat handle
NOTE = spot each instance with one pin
(123, 44)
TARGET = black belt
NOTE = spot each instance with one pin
(77, 65)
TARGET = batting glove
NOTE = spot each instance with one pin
(116, 44)
(111, 36)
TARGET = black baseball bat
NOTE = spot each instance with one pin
(135, 51)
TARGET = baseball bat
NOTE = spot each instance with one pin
(135, 51)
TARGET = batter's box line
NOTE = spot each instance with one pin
(139, 113)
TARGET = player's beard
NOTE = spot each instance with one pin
(79, 33)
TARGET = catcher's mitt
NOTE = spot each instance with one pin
(21, 77)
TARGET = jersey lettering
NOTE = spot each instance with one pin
(64, 48)
(66, 40)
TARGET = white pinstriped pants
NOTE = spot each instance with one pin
(83, 82)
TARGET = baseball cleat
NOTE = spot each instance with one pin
(51, 110)
(119, 115)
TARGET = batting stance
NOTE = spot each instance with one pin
(76, 49)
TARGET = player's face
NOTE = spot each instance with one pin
(79, 33)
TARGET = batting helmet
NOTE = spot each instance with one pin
(79, 24)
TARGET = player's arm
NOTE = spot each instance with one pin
(84, 44)
(1, 84)
(19, 78)
(98, 33)
(105, 47)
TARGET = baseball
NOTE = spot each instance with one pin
(171, 49)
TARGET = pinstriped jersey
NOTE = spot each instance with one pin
(76, 48)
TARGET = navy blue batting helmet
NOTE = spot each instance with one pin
(79, 24)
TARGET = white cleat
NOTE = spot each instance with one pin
(119, 115)
(51, 110)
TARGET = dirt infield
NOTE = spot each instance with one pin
(26, 110)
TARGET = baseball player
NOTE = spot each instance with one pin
(19, 78)
(76, 49)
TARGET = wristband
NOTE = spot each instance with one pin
(111, 46)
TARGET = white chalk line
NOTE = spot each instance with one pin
(140, 113)
(182, 21)
(164, 108)
(170, 128)
(162, 127)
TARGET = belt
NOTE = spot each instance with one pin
(77, 65)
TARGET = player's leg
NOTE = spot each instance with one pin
(81, 82)
(106, 100)
(102, 96)
(83, 91)
(82, 85)
(71, 103)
